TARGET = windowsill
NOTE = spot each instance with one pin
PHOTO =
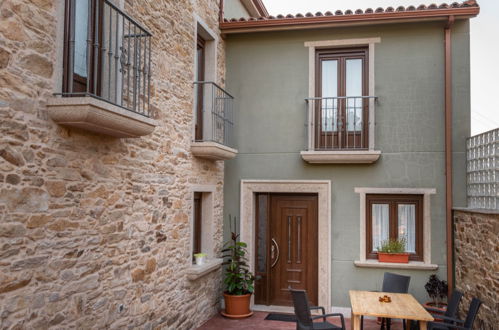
(195, 272)
(98, 116)
(212, 150)
(416, 265)
(341, 156)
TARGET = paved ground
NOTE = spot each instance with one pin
(257, 322)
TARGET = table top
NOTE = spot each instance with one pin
(403, 306)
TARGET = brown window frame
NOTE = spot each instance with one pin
(78, 84)
(393, 201)
(197, 223)
(201, 58)
(341, 55)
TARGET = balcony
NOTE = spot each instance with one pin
(214, 122)
(106, 72)
(341, 130)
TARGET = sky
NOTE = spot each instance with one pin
(484, 48)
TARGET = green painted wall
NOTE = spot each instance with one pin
(234, 9)
(268, 75)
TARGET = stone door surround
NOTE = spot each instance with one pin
(323, 190)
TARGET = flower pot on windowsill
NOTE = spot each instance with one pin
(401, 258)
(200, 258)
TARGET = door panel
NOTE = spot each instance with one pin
(291, 249)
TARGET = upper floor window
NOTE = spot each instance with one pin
(341, 108)
(394, 217)
(106, 55)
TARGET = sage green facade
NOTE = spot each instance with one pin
(267, 72)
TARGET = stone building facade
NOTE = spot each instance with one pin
(95, 230)
(476, 244)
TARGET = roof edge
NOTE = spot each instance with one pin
(328, 19)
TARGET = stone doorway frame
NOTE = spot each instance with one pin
(247, 223)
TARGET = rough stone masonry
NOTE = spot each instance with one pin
(94, 230)
(476, 244)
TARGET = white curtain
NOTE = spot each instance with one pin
(380, 224)
(80, 45)
(407, 225)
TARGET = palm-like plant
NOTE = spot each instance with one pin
(238, 278)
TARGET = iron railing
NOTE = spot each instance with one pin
(217, 113)
(482, 152)
(111, 59)
(339, 123)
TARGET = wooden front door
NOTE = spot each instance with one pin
(289, 247)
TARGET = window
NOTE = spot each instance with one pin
(393, 217)
(200, 76)
(106, 55)
(341, 104)
(197, 223)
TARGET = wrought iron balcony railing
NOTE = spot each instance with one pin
(214, 113)
(107, 55)
(339, 123)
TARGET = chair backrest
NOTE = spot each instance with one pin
(472, 312)
(302, 308)
(395, 283)
(453, 303)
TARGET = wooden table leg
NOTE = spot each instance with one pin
(408, 324)
(423, 325)
(355, 322)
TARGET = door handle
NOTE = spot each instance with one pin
(272, 249)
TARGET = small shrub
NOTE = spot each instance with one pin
(393, 246)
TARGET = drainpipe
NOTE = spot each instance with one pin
(448, 153)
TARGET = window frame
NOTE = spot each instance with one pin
(71, 82)
(201, 73)
(197, 223)
(394, 200)
(341, 55)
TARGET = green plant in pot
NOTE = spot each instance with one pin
(238, 279)
(437, 290)
(393, 250)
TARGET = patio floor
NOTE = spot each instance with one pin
(257, 322)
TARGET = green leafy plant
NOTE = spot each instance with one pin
(238, 278)
(393, 246)
(436, 289)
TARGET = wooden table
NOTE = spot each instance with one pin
(403, 306)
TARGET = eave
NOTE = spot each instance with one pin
(310, 21)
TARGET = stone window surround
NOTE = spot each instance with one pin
(367, 156)
(211, 63)
(207, 223)
(426, 192)
(247, 216)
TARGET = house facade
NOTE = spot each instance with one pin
(131, 130)
(351, 130)
(111, 163)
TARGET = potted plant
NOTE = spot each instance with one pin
(393, 250)
(238, 279)
(437, 290)
(200, 258)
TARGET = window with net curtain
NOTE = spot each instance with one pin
(394, 217)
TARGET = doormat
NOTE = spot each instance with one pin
(281, 317)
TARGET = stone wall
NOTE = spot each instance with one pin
(94, 230)
(476, 243)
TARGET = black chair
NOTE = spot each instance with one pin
(453, 323)
(393, 283)
(452, 306)
(304, 319)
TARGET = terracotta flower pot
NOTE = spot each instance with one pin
(442, 307)
(237, 307)
(401, 258)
